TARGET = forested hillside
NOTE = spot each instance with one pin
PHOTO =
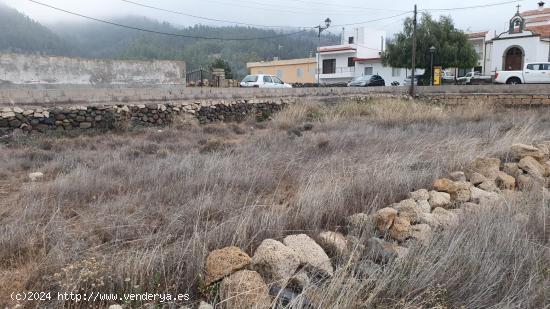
(95, 40)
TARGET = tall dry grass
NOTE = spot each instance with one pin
(139, 211)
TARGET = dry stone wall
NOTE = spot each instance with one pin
(279, 272)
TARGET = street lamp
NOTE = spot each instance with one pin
(321, 29)
(432, 51)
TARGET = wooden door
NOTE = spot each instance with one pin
(514, 60)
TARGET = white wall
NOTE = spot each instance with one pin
(385, 72)
(534, 50)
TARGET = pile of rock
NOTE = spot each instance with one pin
(278, 269)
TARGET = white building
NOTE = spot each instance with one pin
(359, 53)
(526, 40)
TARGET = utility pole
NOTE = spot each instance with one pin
(413, 61)
(321, 29)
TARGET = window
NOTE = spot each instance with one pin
(368, 71)
(351, 40)
(395, 72)
(329, 66)
(280, 73)
(250, 79)
(267, 79)
(276, 80)
(537, 67)
(299, 72)
(351, 62)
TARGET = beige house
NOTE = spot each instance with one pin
(290, 71)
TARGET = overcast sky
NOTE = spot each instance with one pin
(280, 12)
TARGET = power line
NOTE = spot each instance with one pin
(204, 18)
(349, 6)
(373, 20)
(164, 33)
(474, 6)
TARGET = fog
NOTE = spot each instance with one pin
(292, 13)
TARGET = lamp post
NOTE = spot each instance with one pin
(321, 29)
(432, 51)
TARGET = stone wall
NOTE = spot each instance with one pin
(23, 69)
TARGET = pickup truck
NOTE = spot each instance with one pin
(533, 73)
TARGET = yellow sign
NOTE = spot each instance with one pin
(437, 76)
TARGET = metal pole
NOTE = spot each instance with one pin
(319, 58)
(413, 61)
(431, 69)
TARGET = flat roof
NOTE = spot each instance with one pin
(280, 62)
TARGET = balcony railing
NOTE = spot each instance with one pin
(339, 70)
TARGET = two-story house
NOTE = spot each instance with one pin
(359, 53)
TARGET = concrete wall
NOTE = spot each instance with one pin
(22, 69)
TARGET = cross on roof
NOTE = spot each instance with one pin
(518, 6)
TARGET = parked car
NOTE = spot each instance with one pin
(367, 81)
(263, 81)
(474, 78)
(417, 77)
(532, 73)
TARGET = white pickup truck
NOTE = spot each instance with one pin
(533, 73)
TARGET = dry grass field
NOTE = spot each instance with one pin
(139, 210)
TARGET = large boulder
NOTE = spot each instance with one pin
(419, 195)
(429, 219)
(485, 166)
(512, 169)
(275, 262)
(223, 262)
(400, 229)
(445, 218)
(244, 289)
(477, 178)
(311, 255)
(520, 151)
(532, 167)
(335, 244)
(425, 206)
(459, 190)
(384, 219)
(483, 197)
(409, 209)
(361, 223)
(458, 176)
(381, 251)
(439, 199)
(489, 185)
(505, 181)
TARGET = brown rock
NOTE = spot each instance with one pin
(532, 167)
(512, 169)
(335, 244)
(505, 181)
(311, 255)
(445, 218)
(485, 166)
(477, 178)
(381, 251)
(458, 176)
(489, 185)
(459, 190)
(520, 151)
(429, 219)
(384, 218)
(401, 229)
(483, 197)
(223, 262)
(421, 232)
(420, 195)
(244, 289)
(408, 209)
(360, 223)
(275, 262)
(439, 199)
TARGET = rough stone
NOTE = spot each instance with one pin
(489, 185)
(425, 206)
(400, 229)
(444, 217)
(532, 167)
(36, 176)
(505, 181)
(223, 262)
(512, 169)
(384, 219)
(311, 255)
(477, 178)
(459, 190)
(420, 195)
(429, 219)
(335, 244)
(244, 289)
(85, 125)
(408, 209)
(439, 199)
(458, 176)
(520, 151)
(205, 305)
(421, 232)
(381, 251)
(115, 307)
(275, 262)
(483, 197)
(485, 166)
